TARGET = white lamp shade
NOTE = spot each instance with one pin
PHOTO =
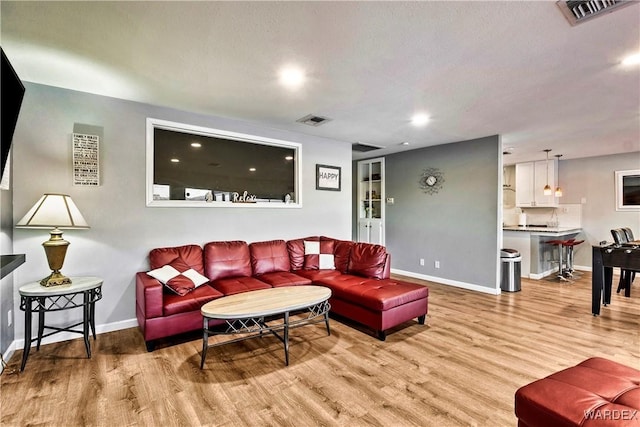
(53, 211)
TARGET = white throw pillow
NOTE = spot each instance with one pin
(179, 282)
(314, 259)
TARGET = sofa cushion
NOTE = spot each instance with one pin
(178, 277)
(367, 260)
(283, 278)
(269, 257)
(175, 304)
(295, 248)
(374, 294)
(315, 275)
(318, 255)
(236, 285)
(190, 254)
(226, 259)
(342, 253)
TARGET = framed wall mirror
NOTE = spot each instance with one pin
(192, 166)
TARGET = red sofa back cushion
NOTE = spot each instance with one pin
(190, 254)
(342, 252)
(226, 259)
(296, 252)
(269, 257)
(368, 260)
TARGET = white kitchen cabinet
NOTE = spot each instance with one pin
(371, 197)
(531, 177)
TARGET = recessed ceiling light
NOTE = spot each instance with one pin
(420, 119)
(252, 169)
(175, 160)
(632, 59)
(196, 144)
(404, 143)
(292, 77)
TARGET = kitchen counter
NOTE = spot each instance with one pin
(548, 231)
(537, 255)
(10, 263)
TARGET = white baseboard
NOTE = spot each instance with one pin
(457, 284)
(64, 336)
(541, 275)
(7, 355)
(549, 272)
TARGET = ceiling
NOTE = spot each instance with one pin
(514, 68)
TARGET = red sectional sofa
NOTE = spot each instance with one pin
(358, 275)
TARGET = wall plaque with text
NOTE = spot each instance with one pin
(86, 165)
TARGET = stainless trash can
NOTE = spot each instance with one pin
(510, 272)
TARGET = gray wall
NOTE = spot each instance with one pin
(123, 229)
(458, 226)
(6, 284)
(593, 179)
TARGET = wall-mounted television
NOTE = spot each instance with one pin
(11, 94)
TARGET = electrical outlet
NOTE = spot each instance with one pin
(421, 261)
(437, 264)
(10, 317)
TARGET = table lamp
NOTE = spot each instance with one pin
(55, 211)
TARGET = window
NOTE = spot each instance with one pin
(191, 166)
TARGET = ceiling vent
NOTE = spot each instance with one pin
(312, 120)
(579, 11)
(363, 148)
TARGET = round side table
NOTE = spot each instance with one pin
(34, 298)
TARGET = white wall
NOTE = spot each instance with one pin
(123, 229)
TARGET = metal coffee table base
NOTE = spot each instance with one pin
(256, 327)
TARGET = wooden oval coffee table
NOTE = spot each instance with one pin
(245, 313)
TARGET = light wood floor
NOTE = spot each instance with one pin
(460, 369)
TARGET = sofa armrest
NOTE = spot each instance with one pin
(386, 273)
(149, 295)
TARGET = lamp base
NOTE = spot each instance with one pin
(55, 279)
(55, 249)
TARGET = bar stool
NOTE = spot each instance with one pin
(569, 245)
(560, 245)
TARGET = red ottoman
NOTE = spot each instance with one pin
(596, 392)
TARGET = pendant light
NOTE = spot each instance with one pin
(558, 192)
(547, 188)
